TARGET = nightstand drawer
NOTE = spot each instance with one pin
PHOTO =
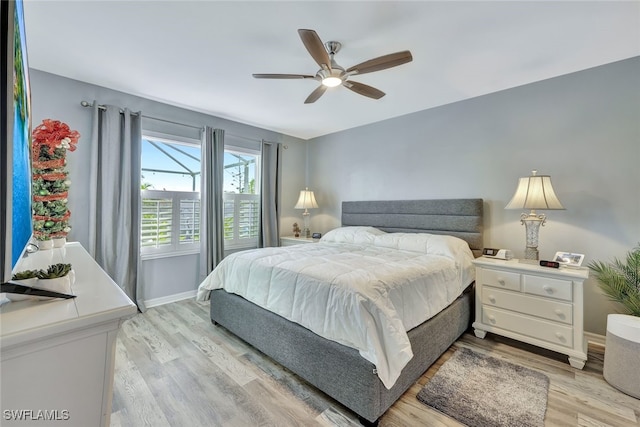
(535, 306)
(500, 279)
(536, 328)
(546, 287)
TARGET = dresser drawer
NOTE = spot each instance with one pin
(544, 286)
(526, 325)
(535, 306)
(500, 279)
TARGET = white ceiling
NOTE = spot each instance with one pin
(201, 54)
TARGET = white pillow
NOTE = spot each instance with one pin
(433, 244)
(356, 234)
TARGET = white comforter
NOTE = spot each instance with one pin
(359, 286)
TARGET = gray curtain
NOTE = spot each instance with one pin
(114, 199)
(211, 203)
(269, 194)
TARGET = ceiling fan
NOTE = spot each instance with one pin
(331, 74)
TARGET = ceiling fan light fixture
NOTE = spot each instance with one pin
(332, 81)
(331, 74)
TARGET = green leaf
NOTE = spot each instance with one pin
(620, 281)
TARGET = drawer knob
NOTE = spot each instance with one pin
(501, 281)
(492, 299)
(559, 312)
(548, 289)
(492, 319)
(560, 336)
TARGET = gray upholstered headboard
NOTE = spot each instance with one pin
(457, 217)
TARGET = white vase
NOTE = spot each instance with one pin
(27, 282)
(59, 284)
(45, 244)
(59, 242)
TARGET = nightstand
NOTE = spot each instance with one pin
(538, 305)
(292, 240)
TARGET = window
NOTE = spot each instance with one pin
(241, 197)
(170, 193)
(170, 221)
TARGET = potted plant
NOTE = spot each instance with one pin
(57, 277)
(620, 281)
(50, 142)
(54, 271)
(27, 278)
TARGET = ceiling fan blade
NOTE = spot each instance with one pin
(320, 90)
(283, 76)
(315, 47)
(363, 89)
(381, 63)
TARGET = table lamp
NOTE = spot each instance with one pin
(534, 192)
(306, 201)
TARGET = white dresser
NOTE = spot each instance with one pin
(538, 305)
(57, 356)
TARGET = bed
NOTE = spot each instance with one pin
(340, 370)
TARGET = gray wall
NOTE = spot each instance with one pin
(583, 129)
(59, 98)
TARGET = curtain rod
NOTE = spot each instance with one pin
(102, 107)
(252, 139)
(284, 146)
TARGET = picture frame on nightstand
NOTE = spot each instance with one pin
(568, 259)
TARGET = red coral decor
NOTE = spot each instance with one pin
(49, 144)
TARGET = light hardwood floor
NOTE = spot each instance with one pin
(174, 368)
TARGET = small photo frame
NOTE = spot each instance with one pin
(568, 259)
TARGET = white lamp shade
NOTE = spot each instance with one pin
(306, 200)
(535, 192)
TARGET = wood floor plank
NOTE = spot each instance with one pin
(140, 328)
(185, 311)
(231, 403)
(281, 405)
(592, 385)
(180, 392)
(174, 368)
(593, 402)
(132, 397)
(333, 418)
(242, 373)
(164, 319)
(312, 397)
(585, 421)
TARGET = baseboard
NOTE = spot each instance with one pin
(169, 299)
(596, 339)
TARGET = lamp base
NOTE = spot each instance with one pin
(531, 253)
(532, 223)
(306, 231)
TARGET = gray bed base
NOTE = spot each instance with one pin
(333, 368)
(340, 371)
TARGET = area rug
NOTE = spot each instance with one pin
(484, 391)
